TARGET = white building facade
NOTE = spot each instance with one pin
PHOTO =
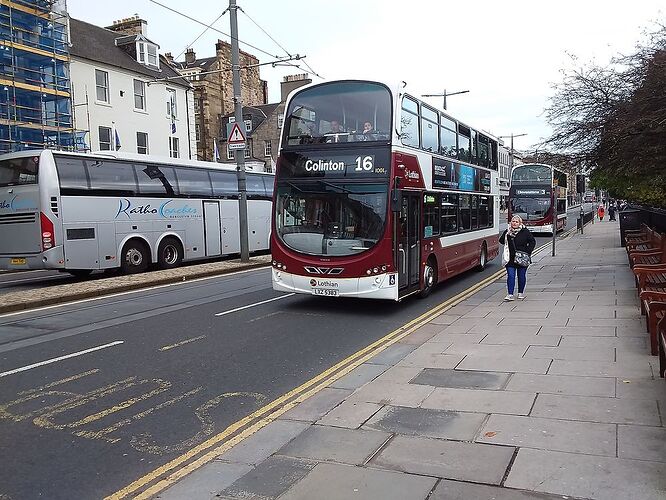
(126, 97)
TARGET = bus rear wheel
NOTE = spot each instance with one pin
(169, 253)
(429, 277)
(135, 258)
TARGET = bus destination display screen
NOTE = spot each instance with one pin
(363, 163)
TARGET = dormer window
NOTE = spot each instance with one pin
(147, 54)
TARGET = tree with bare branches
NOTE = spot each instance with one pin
(611, 121)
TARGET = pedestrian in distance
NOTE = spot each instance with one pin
(518, 246)
(601, 211)
(611, 211)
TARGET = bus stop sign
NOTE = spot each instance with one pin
(236, 138)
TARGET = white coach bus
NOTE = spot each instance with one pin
(81, 212)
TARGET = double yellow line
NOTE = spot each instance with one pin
(171, 472)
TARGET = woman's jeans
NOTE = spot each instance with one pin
(511, 278)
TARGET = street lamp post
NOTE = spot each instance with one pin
(445, 94)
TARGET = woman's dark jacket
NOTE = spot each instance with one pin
(523, 241)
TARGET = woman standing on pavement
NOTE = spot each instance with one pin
(601, 211)
(518, 246)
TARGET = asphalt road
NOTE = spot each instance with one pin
(161, 371)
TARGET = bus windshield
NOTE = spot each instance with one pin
(530, 208)
(321, 217)
(18, 171)
(532, 174)
(339, 112)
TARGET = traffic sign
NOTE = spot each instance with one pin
(236, 139)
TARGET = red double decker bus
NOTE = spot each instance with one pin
(378, 194)
(538, 194)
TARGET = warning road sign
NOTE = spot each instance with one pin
(236, 139)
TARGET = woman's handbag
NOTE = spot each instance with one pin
(522, 259)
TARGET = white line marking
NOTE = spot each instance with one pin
(255, 304)
(129, 292)
(54, 360)
(41, 278)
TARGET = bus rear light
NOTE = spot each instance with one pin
(375, 270)
(48, 239)
(368, 272)
(384, 269)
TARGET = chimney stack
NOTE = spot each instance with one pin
(169, 57)
(190, 56)
(291, 82)
(130, 26)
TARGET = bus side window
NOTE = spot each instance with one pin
(72, 175)
(225, 184)
(111, 178)
(194, 183)
(156, 181)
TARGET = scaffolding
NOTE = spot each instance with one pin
(35, 99)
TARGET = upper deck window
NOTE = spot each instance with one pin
(339, 112)
(532, 174)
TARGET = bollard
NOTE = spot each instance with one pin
(582, 218)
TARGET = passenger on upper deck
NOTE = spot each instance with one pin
(368, 132)
(337, 133)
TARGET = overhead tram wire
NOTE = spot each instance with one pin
(278, 44)
(279, 59)
(201, 34)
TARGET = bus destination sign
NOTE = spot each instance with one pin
(361, 164)
(449, 175)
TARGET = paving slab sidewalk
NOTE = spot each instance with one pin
(552, 397)
(58, 294)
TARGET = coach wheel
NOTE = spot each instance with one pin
(170, 253)
(429, 277)
(483, 258)
(135, 258)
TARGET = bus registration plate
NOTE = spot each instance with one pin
(325, 291)
(17, 262)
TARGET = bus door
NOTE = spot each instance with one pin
(213, 233)
(408, 241)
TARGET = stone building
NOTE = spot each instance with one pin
(211, 78)
(262, 126)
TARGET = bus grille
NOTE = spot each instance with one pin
(24, 218)
(54, 205)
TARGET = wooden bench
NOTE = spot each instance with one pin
(661, 337)
(647, 248)
(654, 305)
(650, 277)
(631, 235)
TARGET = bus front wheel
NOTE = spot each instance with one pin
(135, 258)
(429, 277)
(483, 258)
(169, 253)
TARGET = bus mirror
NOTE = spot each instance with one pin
(396, 200)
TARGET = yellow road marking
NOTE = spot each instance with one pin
(282, 404)
(173, 346)
(59, 382)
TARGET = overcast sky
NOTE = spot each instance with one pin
(507, 54)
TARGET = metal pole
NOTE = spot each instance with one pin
(554, 209)
(444, 99)
(240, 153)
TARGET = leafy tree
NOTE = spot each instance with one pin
(611, 120)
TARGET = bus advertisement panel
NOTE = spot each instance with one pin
(379, 195)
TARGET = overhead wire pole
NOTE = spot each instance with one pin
(240, 153)
(445, 94)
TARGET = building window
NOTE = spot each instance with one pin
(171, 108)
(230, 154)
(102, 85)
(248, 125)
(139, 95)
(280, 120)
(247, 152)
(147, 54)
(173, 147)
(267, 148)
(105, 138)
(142, 143)
(197, 106)
(197, 132)
(232, 119)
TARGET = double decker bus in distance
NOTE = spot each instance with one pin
(378, 194)
(82, 212)
(531, 196)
